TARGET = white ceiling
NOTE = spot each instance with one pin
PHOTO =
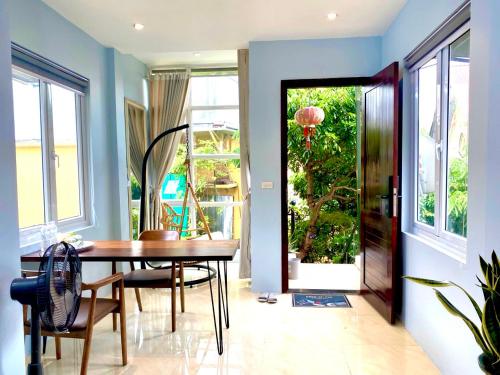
(174, 29)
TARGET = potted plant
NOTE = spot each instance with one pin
(487, 335)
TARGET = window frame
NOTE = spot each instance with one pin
(196, 156)
(450, 243)
(31, 235)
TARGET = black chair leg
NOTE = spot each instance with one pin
(44, 344)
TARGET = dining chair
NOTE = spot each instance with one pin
(92, 310)
(156, 278)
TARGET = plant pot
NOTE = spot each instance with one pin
(486, 364)
(293, 268)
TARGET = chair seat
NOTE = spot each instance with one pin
(148, 278)
(103, 307)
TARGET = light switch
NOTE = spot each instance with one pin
(266, 185)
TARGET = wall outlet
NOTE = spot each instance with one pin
(266, 185)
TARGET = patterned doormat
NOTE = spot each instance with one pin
(320, 300)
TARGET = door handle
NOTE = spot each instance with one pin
(395, 197)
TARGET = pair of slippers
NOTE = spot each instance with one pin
(267, 297)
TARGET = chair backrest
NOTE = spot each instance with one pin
(159, 235)
(170, 219)
(30, 273)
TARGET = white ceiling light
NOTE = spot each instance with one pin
(138, 26)
(197, 54)
(331, 16)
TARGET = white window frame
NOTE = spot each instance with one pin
(447, 242)
(194, 157)
(31, 235)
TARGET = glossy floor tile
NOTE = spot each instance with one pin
(263, 339)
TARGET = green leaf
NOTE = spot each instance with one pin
(472, 300)
(496, 263)
(440, 284)
(484, 287)
(484, 266)
(491, 324)
(489, 276)
(473, 328)
(428, 282)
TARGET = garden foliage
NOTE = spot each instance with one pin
(324, 178)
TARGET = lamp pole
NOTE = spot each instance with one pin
(144, 170)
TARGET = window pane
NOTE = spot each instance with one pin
(458, 135)
(65, 129)
(29, 161)
(224, 222)
(216, 131)
(215, 90)
(174, 184)
(427, 127)
(217, 180)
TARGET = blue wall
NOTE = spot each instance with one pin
(113, 76)
(445, 339)
(414, 23)
(126, 80)
(271, 62)
(40, 29)
(11, 325)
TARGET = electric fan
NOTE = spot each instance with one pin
(54, 296)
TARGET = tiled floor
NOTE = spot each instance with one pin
(263, 339)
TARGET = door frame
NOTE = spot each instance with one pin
(299, 84)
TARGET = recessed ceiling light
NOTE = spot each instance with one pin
(138, 26)
(331, 16)
(197, 54)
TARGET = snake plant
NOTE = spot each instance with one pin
(487, 334)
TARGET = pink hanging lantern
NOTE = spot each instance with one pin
(308, 118)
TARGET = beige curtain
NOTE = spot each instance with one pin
(245, 259)
(167, 95)
(137, 139)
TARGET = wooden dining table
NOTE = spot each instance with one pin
(218, 251)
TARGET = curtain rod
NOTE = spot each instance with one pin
(194, 70)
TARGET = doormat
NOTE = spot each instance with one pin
(320, 300)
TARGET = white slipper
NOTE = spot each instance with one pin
(263, 297)
(272, 298)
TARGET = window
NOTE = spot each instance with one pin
(50, 154)
(441, 113)
(214, 151)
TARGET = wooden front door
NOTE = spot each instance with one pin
(380, 192)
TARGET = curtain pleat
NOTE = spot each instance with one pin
(137, 140)
(245, 251)
(167, 95)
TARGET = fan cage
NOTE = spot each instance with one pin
(59, 291)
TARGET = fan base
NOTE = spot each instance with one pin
(35, 369)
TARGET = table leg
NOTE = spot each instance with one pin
(173, 296)
(113, 293)
(222, 305)
(225, 297)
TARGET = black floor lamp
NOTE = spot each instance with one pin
(211, 271)
(144, 171)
